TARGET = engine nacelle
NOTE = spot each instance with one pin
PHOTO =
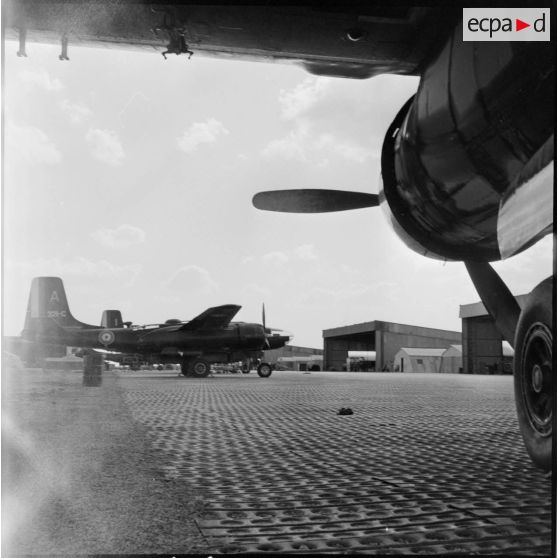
(252, 336)
(479, 115)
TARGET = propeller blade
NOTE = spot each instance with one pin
(266, 331)
(313, 200)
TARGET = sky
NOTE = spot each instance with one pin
(131, 177)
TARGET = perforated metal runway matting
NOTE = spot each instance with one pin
(426, 464)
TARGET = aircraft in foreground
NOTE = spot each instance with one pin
(467, 164)
(209, 338)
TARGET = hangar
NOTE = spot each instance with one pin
(483, 350)
(385, 338)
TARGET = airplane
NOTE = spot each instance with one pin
(209, 338)
(467, 164)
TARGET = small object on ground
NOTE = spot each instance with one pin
(345, 411)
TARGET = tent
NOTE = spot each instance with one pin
(452, 360)
(411, 359)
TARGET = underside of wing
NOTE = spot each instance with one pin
(527, 209)
(217, 317)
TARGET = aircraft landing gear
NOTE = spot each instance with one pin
(534, 374)
(529, 331)
(199, 368)
(185, 366)
(264, 370)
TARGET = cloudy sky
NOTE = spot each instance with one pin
(131, 177)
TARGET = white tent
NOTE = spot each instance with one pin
(452, 360)
(411, 359)
(507, 350)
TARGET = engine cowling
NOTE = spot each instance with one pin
(251, 336)
(479, 115)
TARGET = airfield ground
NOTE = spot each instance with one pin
(150, 462)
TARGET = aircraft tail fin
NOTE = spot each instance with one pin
(48, 310)
(112, 319)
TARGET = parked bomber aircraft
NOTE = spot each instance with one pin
(467, 164)
(208, 338)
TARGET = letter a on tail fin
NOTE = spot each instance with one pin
(48, 310)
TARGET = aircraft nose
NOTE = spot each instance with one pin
(277, 337)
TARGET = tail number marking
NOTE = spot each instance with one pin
(57, 314)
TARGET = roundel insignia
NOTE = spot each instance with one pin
(106, 337)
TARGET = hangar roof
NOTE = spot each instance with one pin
(478, 309)
(405, 329)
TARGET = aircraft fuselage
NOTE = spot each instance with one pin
(210, 335)
(237, 337)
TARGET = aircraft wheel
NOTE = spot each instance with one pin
(200, 368)
(534, 374)
(264, 370)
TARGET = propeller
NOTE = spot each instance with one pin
(313, 200)
(274, 338)
(265, 329)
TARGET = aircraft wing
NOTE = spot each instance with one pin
(217, 317)
(345, 39)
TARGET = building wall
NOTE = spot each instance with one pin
(385, 338)
(336, 349)
(452, 364)
(452, 360)
(335, 353)
(482, 346)
(316, 363)
(289, 351)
